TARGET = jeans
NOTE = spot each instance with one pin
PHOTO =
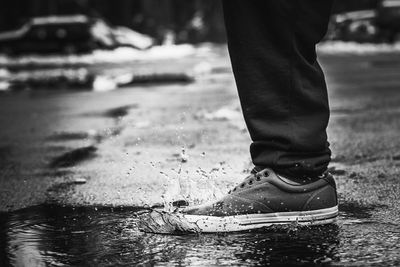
(281, 86)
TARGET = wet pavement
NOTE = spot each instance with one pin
(76, 165)
(99, 236)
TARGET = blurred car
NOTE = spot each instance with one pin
(55, 34)
(69, 35)
(389, 19)
(374, 25)
(358, 26)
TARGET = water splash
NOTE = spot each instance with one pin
(162, 222)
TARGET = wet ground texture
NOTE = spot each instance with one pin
(99, 236)
(75, 166)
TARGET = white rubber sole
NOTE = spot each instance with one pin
(214, 224)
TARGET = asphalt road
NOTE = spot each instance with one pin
(149, 145)
(124, 147)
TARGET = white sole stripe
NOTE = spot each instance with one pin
(254, 221)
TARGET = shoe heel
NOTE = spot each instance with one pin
(323, 198)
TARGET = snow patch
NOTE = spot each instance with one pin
(122, 54)
(340, 47)
(104, 84)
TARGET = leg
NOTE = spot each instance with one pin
(284, 100)
(281, 85)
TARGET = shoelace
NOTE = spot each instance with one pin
(250, 179)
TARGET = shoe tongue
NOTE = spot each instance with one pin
(287, 178)
(298, 181)
(289, 181)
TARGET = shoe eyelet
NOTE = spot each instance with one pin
(258, 178)
(242, 185)
(250, 182)
(234, 189)
(266, 174)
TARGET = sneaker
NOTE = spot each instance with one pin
(264, 199)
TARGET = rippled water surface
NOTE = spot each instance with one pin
(99, 236)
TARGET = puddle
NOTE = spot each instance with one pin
(396, 157)
(104, 236)
(114, 113)
(335, 170)
(96, 136)
(162, 78)
(119, 111)
(73, 157)
(354, 210)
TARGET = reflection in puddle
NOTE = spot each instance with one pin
(54, 235)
